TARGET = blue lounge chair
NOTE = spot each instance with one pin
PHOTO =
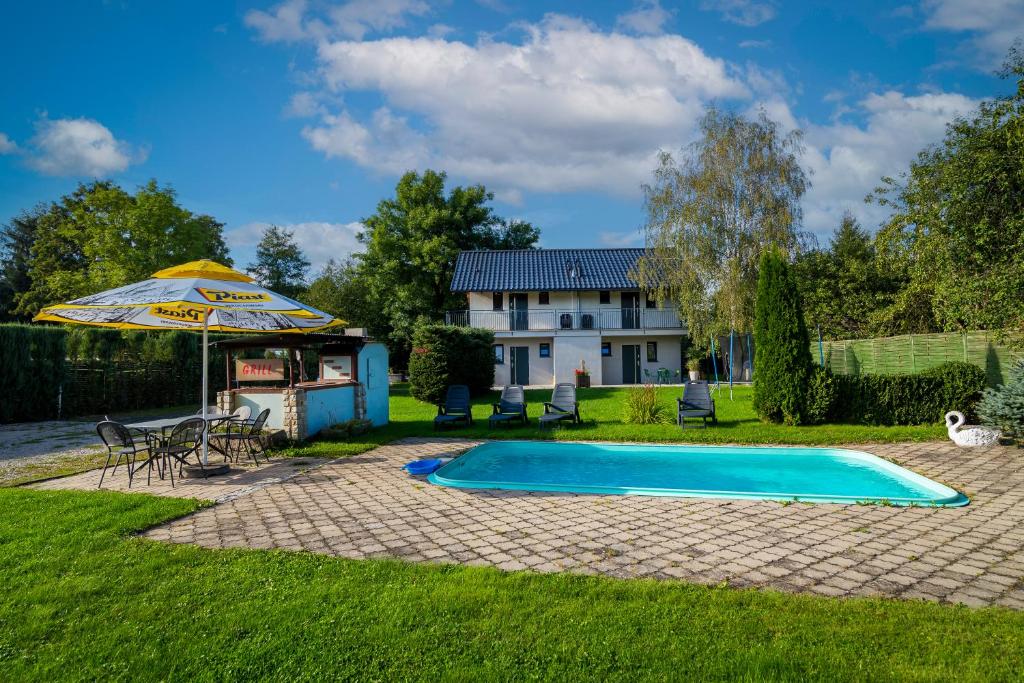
(562, 406)
(456, 409)
(511, 407)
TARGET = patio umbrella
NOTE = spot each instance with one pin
(200, 295)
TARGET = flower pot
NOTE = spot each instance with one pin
(582, 381)
(694, 375)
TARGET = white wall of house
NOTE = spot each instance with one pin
(572, 350)
(669, 357)
(541, 369)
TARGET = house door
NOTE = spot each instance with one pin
(521, 364)
(631, 364)
(519, 315)
(630, 311)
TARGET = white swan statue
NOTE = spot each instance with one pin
(970, 435)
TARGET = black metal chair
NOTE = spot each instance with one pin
(186, 439)
(119, 441)
(510, 407)
(249, 437)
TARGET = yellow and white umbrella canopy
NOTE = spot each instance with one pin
(196, 295)
(201, 296)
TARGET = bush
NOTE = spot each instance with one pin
(783, 359)
(822, 396)
(909, 399)
(643, 408)
(347, 429)
(443, 355)
(1003, 407)
(962, 385)
(32, 370)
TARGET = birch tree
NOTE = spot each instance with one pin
(713, 210)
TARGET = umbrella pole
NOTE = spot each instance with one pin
(206, 379)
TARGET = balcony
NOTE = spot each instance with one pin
(552, 320)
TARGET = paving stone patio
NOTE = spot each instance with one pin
(242, 480)
(365, 506)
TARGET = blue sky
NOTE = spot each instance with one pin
(304, 113)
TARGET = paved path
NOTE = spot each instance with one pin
(243, 479)
(365, 506)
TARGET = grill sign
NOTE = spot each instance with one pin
(259, 369)
(185, 314)
(222, 296)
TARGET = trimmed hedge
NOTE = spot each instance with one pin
(50, 372)
(896, 399)
(444, 354)
(32, 370)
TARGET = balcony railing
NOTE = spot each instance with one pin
(550, 320)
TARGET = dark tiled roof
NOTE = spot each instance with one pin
(545, 270)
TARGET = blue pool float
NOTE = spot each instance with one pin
(423, 466)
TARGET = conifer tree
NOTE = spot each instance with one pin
(782, 347)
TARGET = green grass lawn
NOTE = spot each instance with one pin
(82, 600)
(602, 409)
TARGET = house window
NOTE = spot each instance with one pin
(606, 349)
(652, 352)
(545, 350)
(498, 301)
(499, 354)
(651, 303)
(543, 299)
(605, 296)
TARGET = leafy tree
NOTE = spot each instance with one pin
(340, 290)
(100, 236)
(280, 264)
(16, 241)
(843, 286)
(783, 359)
(412, 242)
(957, 227)
(712, 214)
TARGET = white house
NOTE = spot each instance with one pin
(552, 310)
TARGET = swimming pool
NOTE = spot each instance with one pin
(823, 475)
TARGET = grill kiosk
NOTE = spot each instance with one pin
(352, 381)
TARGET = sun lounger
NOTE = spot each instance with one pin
(562, 406)
(456, 409)
(510, 408)
(696, 403)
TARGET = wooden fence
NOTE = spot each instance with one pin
(913, 353)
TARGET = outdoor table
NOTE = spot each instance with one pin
(162, 424)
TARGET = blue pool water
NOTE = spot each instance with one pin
(827, 475)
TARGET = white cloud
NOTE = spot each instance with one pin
(849, 160)
(648, 17)
(303, 105)
(742, 12)
(320, 241)
(291, 20)
(79, 147)
(284, 23)
(357, 18)
(7, 145)
(755, 44)
(621, 239)
(995, 24)
(567, 108)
